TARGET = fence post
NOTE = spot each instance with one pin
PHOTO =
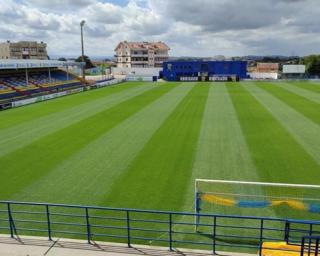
(261, 236)
(316, 253)
(170, 231)
(286, 231)
(214, 235)
(88, 226)
(302, 246)
(48, 222)
(128, 229)
(10, 220)
(310, 240)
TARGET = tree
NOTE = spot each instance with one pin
(86, 60)
(312, 63)
(62, 59)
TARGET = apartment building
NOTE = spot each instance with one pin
(141, 54)
(23, 50)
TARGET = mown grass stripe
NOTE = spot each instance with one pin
(300, 104)
(222, 151)
(100, 162)
(307, 94)
(276, 154)
(23, 134)
(305, 131)
(21, 167)
(20, 115)
(158, 177)
(310, 86)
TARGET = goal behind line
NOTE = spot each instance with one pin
(214, 195)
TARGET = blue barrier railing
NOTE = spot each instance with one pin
(172, 229)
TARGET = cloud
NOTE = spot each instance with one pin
(194, 27)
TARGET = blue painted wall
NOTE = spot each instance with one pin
(173, 70)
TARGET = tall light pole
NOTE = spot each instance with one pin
(82, 51)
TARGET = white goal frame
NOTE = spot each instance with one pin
(260, 184)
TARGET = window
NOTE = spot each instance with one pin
(169, 66)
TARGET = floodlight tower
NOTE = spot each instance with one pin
(82, 50)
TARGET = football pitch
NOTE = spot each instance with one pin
(141, 145)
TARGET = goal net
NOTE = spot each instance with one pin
(257, 198)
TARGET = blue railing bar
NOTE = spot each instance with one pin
(150, 230)
(312, 237)
(30, 221)
(303, 230)
(67, 215)
(67, 232)
(273, 229)
(156, 212)
(27, 212)
(5, 220)
(187, 233)
(107, 218)
(5, 228)
(74, 224)
(33, 229)
(108, 227)
(237, 227)
(304, 221)
(151, 221)
(108, 235)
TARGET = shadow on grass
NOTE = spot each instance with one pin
(239, 241)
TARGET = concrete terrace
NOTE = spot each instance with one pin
(40, 246)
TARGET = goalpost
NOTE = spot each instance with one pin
(255, 195)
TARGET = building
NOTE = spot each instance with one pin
(141, 54)
(293, 71)
(204, 70)
(265, 71)
(23, 50)
(267, 67)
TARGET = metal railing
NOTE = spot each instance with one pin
(163, 228)
(310, 246)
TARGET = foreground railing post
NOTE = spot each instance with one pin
(88, 226)
(310, 240)
(261, 236)
(10, 220)
(286, 231)
(214, 235)
(128, 229)
(302, 246)
(48, 222)
(316, 253)
(170, 231)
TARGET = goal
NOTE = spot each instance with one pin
(255, 198)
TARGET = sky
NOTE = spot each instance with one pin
(201, 28)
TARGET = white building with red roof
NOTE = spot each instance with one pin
(141, 54)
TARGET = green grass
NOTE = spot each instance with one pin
(141, 145)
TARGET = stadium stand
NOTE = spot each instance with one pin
(19, 80)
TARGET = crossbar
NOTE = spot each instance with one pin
(259, 183)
